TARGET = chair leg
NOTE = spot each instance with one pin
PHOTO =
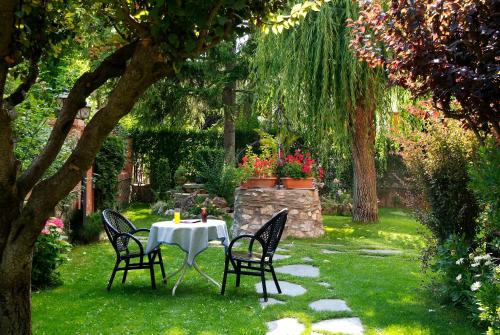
(161, 267)
(275, 279)
(263, 279)
(125, 271)
(238, 274)
(152, 271)
(110, 282)
(224, 278)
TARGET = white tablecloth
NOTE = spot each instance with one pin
(192, 238)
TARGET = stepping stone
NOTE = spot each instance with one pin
(299, 270)
(326, 251)
(307, 259)
(348, 326)
(382, 251)
(287, 288)
(330, 305)
(286, 326)
(269, 302)
(278, 257)
(324, 284)
(282, 250)
(328, 245)
(289, 245)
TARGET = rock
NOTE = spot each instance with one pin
(348, 326)
(326, 251)
(169, 212)
(219, 202)
(299, 270)
(269, 302)
(278, 257)
(287, 288)
(286, 326)
(324, 284)
(330, 305)
(307, 259)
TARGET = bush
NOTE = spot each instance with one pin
(109, 162)
(220, 179)
(470, 279)
(49, 252)
(181, 175)
(437, 162)
(485, 183)
(88, 232)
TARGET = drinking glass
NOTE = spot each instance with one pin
(177, 215)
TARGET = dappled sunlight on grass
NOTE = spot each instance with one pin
(383, 291)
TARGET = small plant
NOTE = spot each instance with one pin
(50, 251)
(301, 165)
(181, 175)
(89, 231)
(254, 165)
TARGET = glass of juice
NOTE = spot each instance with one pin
(177, 215)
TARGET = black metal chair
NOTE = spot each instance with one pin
(120, 232)
(252, 263)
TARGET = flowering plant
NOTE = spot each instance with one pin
(50, 252)
(253, 165)
(301, 165)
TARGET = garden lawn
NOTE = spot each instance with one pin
(385, 292)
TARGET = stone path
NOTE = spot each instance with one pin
(381, 251)
(292, 326)
(287, 288)
(278, 257)
(326, 251)
(330, 305)
(348, 326)
(269, 302)
(299, 270)
(286, 326)
(282, 250)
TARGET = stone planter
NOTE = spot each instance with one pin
(298, 183)
(256, 182)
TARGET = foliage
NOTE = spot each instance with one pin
(89, 231)
(315, 79)
(447, 49)
(437, 161)
(160, 207)
(108, 165)
(470, 279)
(219, 178)
(299, 165)
(208, 205)
(484, 175)
(259, 165)
(163, 151)
(50, 252)
(181, 175)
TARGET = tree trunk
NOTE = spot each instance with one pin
(229, 99)
(364, 190)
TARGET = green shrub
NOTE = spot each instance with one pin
(160, 179)
(88, 232)
(108, 165)
(219, 178)
(49, 252)
(437, 162)
(181, 175)
(485, 183)
(470, 278)
(160, 207)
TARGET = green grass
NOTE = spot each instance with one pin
(385, 292)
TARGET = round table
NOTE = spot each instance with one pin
(192, 236)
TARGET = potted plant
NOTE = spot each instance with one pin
(258, 171)
(298, 170)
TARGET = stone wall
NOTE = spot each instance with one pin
(254, 207)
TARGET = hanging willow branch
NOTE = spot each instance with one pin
(315, 75)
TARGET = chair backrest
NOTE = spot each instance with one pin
(114, 224)
(270, 233)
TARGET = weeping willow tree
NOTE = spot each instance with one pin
(329, 96)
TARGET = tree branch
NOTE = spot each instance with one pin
(113, 66)
(16, 97)
(143, 70)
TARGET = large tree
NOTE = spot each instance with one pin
(447, 50)
(156, 38)
(328, 94)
